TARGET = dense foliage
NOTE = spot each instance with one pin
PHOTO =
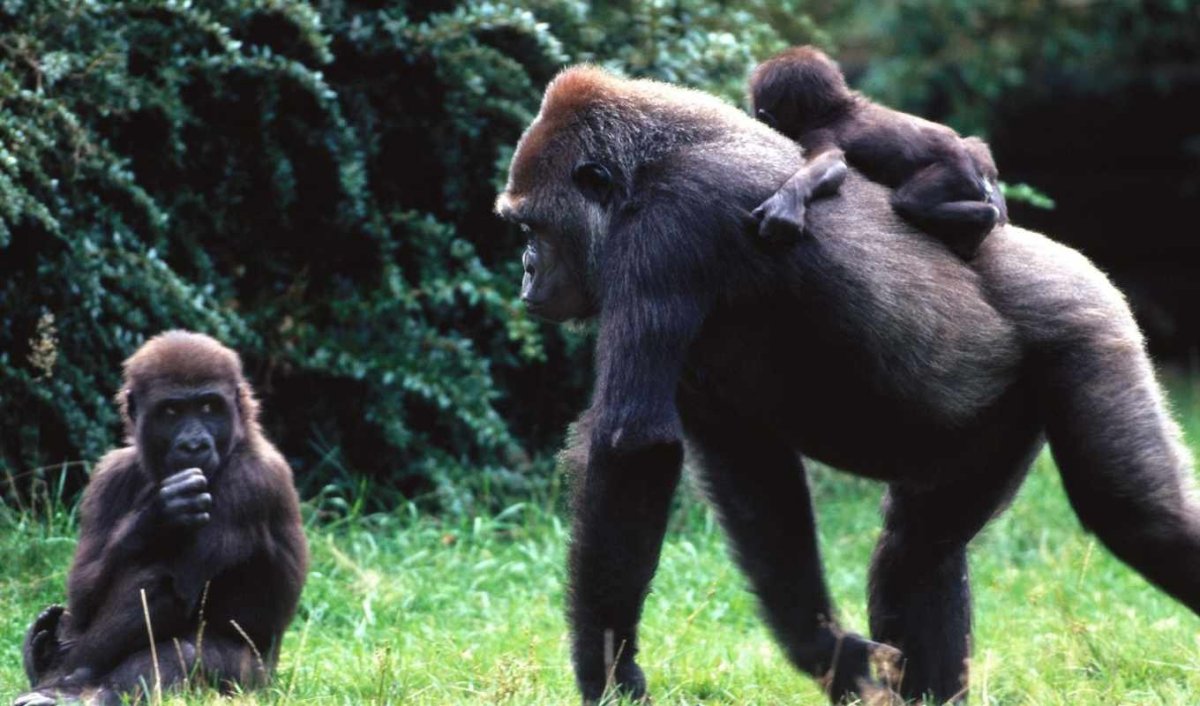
(311, 182)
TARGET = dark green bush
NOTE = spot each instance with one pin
(311, 183)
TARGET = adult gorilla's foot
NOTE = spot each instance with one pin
(627, 680)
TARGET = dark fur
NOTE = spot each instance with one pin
(869, 347)
(944, 184)
(246, 564)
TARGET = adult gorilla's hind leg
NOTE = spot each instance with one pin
(761, 493)
(1127, 475)
(920, 594)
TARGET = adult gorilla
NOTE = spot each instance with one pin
(868, 346)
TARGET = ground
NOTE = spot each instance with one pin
(408, 608)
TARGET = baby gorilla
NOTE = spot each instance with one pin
(191, 554)
(943, 183)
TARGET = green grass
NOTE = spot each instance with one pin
(404, 608)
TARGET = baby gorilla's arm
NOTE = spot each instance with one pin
(781, 217)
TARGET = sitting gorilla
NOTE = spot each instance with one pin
(189, 537)
(869, 347)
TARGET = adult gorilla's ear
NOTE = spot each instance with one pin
(594, 181)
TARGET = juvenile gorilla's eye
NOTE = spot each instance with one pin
(207, 408)
(171, 410)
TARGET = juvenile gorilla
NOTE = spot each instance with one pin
(200, 514)
(944, 184)
(869, 347)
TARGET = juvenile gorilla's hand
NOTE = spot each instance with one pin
(184, 500)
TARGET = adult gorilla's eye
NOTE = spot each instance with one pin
(594, 181)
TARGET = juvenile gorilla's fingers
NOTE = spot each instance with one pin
(196, 500)
(195, 519)
(188, 486)
(189, 504)
(183, 475)
(781, 222)
(40, 642)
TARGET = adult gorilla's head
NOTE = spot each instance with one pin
(601, 150)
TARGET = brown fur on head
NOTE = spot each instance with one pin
(799, 88)
(184, 358)
(588, 112)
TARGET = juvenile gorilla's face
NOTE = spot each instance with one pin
(187, 428)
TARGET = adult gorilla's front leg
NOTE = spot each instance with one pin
(620, 515)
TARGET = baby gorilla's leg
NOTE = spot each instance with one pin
(949, 202)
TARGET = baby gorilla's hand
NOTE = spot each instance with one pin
(184, 499)
(781, 218)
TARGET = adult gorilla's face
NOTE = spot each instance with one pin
(551, 289)
(562, 230)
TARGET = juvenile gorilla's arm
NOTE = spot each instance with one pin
(123, 515)
(119, 557)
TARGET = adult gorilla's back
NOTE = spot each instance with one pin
(868, 346)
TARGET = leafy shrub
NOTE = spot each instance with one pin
(311, 183)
